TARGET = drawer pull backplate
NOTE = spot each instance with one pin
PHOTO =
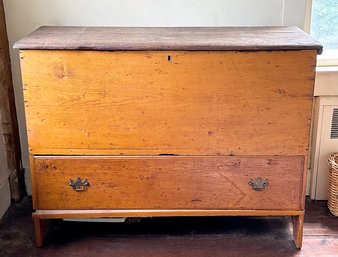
(258, 184)
(79, 184)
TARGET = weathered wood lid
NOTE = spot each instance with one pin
(175, 38)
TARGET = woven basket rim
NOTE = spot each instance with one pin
(333, 183)
(332, 161)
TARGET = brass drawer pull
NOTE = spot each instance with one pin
(258, 184)
(79, 184)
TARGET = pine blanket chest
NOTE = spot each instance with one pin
(145, 122)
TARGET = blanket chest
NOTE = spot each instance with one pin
(144, 122)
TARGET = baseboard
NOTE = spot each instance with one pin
(308, 182)
(5, 197)
(28, 181)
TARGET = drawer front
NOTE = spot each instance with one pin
(196, 103)
(168, 182)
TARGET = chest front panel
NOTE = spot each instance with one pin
(168, 102)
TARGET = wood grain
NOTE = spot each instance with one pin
(40, 228)
(187, 103)
(191, 38)
(169, 182)
(298, 223)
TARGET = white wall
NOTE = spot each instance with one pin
(23, 16)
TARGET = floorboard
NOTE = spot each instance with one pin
(162, 237)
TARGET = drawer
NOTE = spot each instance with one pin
(168, 182)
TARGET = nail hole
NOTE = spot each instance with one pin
(169, 58)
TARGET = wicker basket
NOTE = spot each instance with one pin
(332, 202)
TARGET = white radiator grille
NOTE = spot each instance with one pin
(334, 124)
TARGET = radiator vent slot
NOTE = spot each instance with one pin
(334, 124)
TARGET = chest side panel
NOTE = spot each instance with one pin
(177, 102)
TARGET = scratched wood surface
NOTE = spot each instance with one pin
(190, 103)
(179, 38)
(169, 182)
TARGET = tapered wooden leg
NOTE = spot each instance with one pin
(298, 222)
(40, 226)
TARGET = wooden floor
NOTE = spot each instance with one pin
(161, 237)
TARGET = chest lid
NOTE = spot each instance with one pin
(169, 38)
